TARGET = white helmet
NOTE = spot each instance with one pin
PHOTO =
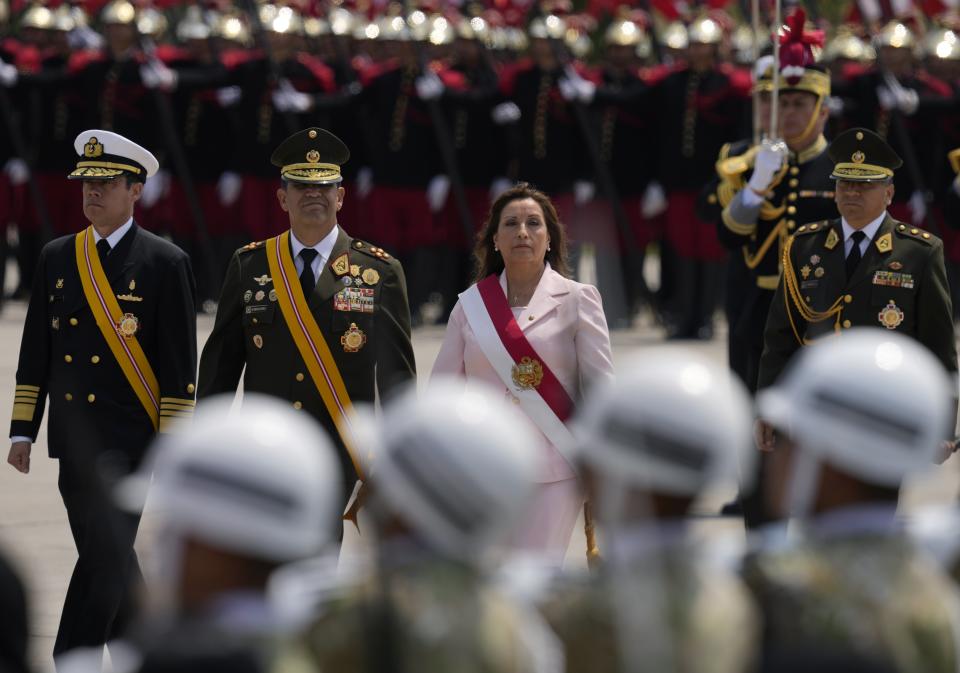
(262, 481)
(673, 422)
(872, 403)
(457, 464)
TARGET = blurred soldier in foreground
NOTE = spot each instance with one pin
(110, 336)
(859, 414)
(14, 626)
(453, 470)
(238, 493)
(673, 425)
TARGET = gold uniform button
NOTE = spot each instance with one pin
(255, 321)
(95, 359)
(848, 298)
(91, 397)
(531, 318)
(791, 210)
(190, 388)
(68, 397)
(792, 196)
(846, 324)
(794, 170)
(297, 405)
(926, 235)
(68, 358)
(712, 198)
(791, 224)
(299, 376)
(794, 182)
(902, 228)
(914, 231)
(74, 321)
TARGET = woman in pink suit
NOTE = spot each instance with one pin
(541, 338)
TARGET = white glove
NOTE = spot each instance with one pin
(583, 192)
(584, 89)
(288, 99)
(155, 75)
(429, 86)
(768, 162)
(654, 201)
(567, 89)
(17, 170)
(155, 189)
(364, 181)
(228, 187)
(505, 113)
(499, 186)
(8, 75)
(437, 192)
(886, 98)
(228, 96)
(918, 207)
(907, 100)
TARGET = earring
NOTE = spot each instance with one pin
(548, 247)
(496, 249)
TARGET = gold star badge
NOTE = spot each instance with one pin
(805, 271)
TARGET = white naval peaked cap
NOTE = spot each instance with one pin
(104, 155)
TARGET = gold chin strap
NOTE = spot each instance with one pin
(813, 120)
(805, 310)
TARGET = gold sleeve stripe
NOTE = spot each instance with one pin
(176, 412)
(28, 389)
(177, 407)
(177, 400)
(26, 395)
(169, 424)
(25, 400)
(23, 412)
(738, 228)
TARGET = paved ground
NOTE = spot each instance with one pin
(33, 526)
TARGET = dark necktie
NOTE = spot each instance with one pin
(103, 249)
(853, 259)
(307, 280)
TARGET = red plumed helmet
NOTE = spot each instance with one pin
(799, 48)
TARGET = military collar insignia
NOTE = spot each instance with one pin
(262, 280)
(895, 265)
(885, 242)
(832, 240)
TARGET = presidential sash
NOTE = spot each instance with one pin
(118, 329)
(310, 342)
(521, 369)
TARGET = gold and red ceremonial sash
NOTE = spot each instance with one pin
(512, 356)
(109, 317)
(310, 342)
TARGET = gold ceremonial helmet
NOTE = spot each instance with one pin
(282, 20)
(233, 27)
(37, 16)
(152, 22)
(624, 33)
(4, 11)
(118, 12)
(704, 30)
(342, 21)
(315, 26)
(674, 36)
(849, 46)
(896, 35)
(473, 28)
(550, 27)
(193, 25)
(942, 43)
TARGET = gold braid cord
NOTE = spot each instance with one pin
(593, 551)
(805, 310)
(778, 234)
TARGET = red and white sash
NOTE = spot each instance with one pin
(520, 367)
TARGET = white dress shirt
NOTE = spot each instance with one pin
(324, 249)
(870, 230)
(118, 233)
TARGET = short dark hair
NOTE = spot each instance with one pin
(486, 258)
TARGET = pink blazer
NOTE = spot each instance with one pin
(564, 323)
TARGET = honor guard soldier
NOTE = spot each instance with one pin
(674, 425)
(318, 318)
(863, 269)
(110, 337)
(860, 414)
(455, 468)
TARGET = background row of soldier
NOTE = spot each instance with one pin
(431, 100)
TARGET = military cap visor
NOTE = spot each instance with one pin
(313, 156)
(105, 155)
(860, 155)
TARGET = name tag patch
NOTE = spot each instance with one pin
(354, 299)
(893, 279)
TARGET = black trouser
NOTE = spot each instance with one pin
(106, 578)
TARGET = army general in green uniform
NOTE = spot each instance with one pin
(864, 269)
(318, 318)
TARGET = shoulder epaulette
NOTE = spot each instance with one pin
(371, 250)
(253, 245)
(812, 228)
(917, 234)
